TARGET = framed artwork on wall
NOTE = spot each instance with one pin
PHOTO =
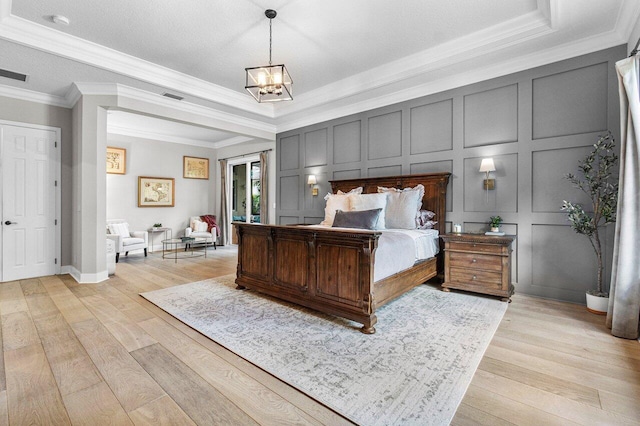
(116, 160)
(156, 192)
(195, 168)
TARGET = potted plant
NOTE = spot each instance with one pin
(156, 226)
(601, 186)
(495, 222)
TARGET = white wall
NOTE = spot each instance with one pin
(193, 197)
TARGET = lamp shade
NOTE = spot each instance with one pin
(487, 165)
(312, 180)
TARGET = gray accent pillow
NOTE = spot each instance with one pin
(361, 219)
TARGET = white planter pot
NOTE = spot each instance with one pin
(495, 229)
(597, 305)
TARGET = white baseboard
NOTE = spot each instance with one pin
(84, 278)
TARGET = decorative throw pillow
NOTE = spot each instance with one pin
(361, 219)
(423, 219)
(339, 201)
(401, 209)
(200, 226)
(369, 202)
(429, 224)
(120, 229)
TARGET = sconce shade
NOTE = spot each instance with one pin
(487, 165)
(312, 180)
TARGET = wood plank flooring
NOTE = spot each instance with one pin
(100, 354)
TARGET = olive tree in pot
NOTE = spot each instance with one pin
(601, 186)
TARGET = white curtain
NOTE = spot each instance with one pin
(223, 223)
(264, 189)
(624, 295)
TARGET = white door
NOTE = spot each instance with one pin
(28, 160)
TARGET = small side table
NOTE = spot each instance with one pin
(153, 231)
(479, 263)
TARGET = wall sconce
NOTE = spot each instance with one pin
(487, 166)
(312, 181)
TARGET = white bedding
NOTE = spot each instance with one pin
(399, 249)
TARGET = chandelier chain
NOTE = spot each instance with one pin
(270, 21)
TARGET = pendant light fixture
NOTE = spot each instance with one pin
(269, 83)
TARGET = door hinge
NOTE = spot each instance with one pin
(55, 221)
(55, 183)
(55, 144)
(55, 261)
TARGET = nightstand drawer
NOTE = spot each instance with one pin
(478, 277)
(476, 261)
(475, 247)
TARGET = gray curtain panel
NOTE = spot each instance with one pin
(223, 223)
(264, 189)
(624, 296)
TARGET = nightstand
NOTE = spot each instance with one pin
(479, 263)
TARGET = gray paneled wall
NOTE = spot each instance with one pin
(535, 124)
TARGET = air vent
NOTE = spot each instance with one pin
(13, 75)
(172, 96)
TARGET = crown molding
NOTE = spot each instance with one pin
(523, 28)
(497, 69)
(43, 38)
(31, 96)
(210, 114)
(628, 18)
(145, 134)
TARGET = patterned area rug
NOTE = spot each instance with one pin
(414, 370)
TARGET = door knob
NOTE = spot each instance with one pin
(8, 222)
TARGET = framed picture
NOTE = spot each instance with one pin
(116, 160)
(156, 192)
(195, 168)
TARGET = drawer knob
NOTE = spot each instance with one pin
(474, 244)
(474, 277)
(474, 261)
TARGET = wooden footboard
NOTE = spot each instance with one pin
(326, 270)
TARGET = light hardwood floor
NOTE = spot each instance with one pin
(100, 354)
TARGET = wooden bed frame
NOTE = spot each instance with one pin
(329, 270)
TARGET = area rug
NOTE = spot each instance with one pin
(414, 370)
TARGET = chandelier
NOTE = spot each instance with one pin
(269, 83)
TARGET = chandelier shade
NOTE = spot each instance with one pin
(269, 83)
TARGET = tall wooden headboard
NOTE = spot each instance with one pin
(435, 190)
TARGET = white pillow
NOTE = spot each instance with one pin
(200, 226)
(402, 206)
(120, 229)
(370, 202)
(339, 201)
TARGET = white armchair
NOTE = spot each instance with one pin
(198, 229)
(125, 240)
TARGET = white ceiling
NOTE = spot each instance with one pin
(344, 56)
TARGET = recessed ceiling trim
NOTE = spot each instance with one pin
(145, 134)
(130, 98)
(628, 16)
(514, 31)
(50, 40)
(31, 96)
(510, 66)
